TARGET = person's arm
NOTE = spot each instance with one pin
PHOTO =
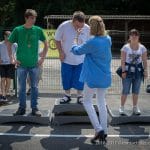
(43, 53)
(60, 50)
(58, 38)
(45, 49)
(88, 47)
(144, 59)
(13, 38)
(10, 54)
(123, 60)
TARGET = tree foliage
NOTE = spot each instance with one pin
(12, 11)
(6, 12)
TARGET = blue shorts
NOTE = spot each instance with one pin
(70, 76)
(127, 82)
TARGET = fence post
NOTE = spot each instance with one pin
(15, 83)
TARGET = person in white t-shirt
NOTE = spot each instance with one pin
(134, 69)
(71, 64)
(7, 70)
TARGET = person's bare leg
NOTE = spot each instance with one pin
(7, 87)
(123, 99)
(136, 109)
(3, 83)
(0, 87)
(135, 99)
(121, 109)
(79, 96)
(79, 92)
(67, 92)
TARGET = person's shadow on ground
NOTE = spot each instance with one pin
(132, 133)
(6, 141)
(64, 138)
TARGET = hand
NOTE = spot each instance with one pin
(41, 54)
(61, 56)
(41, 60)
(124, 74)
(79, 30)
(16, 62)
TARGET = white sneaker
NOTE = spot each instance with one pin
(121, 110)
(136, 110)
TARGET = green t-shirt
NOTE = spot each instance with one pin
(27, 40)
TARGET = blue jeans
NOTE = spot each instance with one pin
(136, 84)
(22, 73)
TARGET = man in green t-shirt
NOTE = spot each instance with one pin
(27, 37)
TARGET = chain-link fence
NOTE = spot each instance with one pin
(118, 27)
(51, 78)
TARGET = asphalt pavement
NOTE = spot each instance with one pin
(73, 136)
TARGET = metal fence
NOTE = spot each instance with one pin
(118, 25)
(51, 78)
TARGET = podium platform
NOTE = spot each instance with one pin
(69, 113)
(116, 118)
(113, 104)
(6, 116)
(45, 105)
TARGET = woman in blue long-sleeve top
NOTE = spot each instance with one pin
(96, 74)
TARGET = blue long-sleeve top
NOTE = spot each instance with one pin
(96, 70)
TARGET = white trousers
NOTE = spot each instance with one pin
(99, 123)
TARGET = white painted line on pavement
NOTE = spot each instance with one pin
(72, 136)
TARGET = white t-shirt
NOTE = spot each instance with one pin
(66, 34)
(133, 56)
(4, 52)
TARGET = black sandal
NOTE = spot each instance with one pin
(66, 99)
(80, 99)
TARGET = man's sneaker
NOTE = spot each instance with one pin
(121, 111)
(29, 91)
(36, 112)
(136, 110)
(20, 111)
